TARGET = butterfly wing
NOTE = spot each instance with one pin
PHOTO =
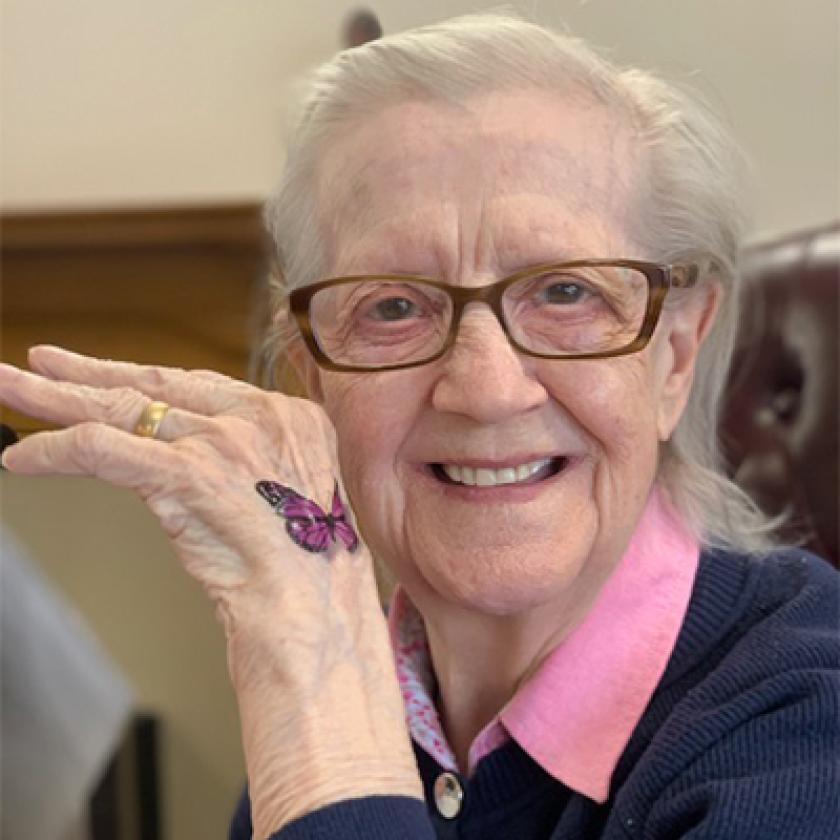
(347, 534)
(337, 509)
(306, 523)
(288, 502)
(274, 493)
(310, 534)
(343, 529)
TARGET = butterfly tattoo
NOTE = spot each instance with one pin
(309, 526)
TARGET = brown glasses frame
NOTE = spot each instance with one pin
(660, 279)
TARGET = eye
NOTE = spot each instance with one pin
(393, 309)
(564, 291)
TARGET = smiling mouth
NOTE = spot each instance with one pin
(527, 473)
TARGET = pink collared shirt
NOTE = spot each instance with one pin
(575, 716)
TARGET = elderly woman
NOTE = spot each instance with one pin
(509, 275)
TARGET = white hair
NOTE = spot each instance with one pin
(689, 193)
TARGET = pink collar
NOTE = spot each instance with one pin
(575, 716)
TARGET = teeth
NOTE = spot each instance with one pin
(483, 477)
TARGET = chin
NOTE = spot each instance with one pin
(509, 582)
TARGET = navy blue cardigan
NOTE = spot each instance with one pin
(739, 741)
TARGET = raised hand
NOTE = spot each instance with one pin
(321, 713)
(198, 475)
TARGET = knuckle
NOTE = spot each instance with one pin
(265, 406)
(122, 405)
(228, 430)
(181, 473)
(154, 377)
(209, 375)
(230, 441)
(88, 435)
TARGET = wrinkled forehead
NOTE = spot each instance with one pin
(539, 153)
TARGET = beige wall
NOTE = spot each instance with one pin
(111, 102)
(119, 102)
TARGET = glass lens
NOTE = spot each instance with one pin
(571, 311)
(379, 323)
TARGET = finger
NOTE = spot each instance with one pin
(204, 392)
(67, 404)
(94, 449)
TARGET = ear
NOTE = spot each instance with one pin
(687, 326)
(308, 373)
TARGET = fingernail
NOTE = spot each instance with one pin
(48, 347)
(41, 356)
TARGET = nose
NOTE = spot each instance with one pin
(482, 376)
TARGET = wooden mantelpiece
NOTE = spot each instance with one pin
(234, 226)
(178, 286)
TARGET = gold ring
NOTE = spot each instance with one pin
(151, 418)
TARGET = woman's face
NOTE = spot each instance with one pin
(469, 195)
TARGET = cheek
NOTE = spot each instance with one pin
(613, 402)
(365, 435)
(373, 415)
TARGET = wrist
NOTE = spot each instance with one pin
(321, 712)
(323, 781)
(304, 753)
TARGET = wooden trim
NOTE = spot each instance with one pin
(236, 226)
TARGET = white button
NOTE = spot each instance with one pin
(448, 795)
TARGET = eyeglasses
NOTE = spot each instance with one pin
(585, 309)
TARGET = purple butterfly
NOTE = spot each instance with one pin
(309, 526)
